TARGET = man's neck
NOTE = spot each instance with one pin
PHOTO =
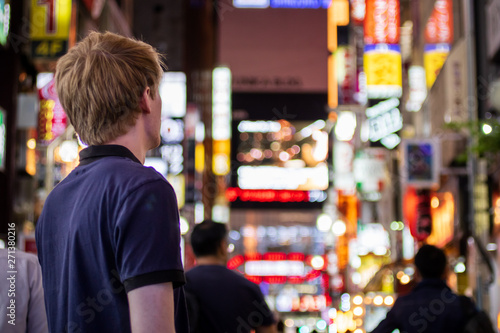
(134, 142)
(210, 260)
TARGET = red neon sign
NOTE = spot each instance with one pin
(239, 260)
(235, 193)
(439, 27)
(382, 22)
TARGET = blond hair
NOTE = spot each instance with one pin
(100, 82)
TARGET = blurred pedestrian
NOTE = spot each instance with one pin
(226, 302)
(431, 307)
(108, 236)
(21, 293)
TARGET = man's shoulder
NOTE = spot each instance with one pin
(120, 172)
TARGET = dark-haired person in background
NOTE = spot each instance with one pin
(219, 299)
(431, 307)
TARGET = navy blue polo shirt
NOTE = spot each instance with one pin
(112, 225)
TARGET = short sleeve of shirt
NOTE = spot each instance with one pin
(147, 237)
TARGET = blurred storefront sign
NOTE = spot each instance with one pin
(443, 219)
(358, 11)
(418, 88)
(343, 156)
(311, 4)
(384, 120)
(439, 26)
(173, 94)
(234, 193)
(492, 11)
(278, 267)
(370, 173)
(434, 57)
(421, 163)
(382, 22)
(52, 119)
(281, 155)
(383, 71)
(417, 212)
(50, 25)
(346, 74)
(4, 21)
(221, 120)
(3, 138)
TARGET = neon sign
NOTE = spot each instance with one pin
(276, 267)
(235, 193)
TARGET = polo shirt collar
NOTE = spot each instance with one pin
(94, 153)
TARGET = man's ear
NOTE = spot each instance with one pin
(145, 102)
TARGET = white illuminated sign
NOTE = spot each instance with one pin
(274, 268)
(384, 119)
(260, 126)
(173, 94)
(221, 103)
(173, 156)
(3, 139)
(251, 3)
(346, 125)
(418, 88)
(172, 130)
(277, 178)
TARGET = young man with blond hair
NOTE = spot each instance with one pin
(108, 236)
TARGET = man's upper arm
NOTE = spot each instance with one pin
(152, 308)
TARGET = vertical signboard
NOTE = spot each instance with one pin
(382, 22)
(4, 21)
(434, 57)
(421, 163)
(383, 71)
(50, 23)
(3, 138)
(439, 27)
(51, 118)
(221, 121)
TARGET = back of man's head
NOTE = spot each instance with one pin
(430, 262)
(100, 82)
(207, 237)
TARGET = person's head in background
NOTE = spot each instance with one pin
(208, 240)
(431, 262)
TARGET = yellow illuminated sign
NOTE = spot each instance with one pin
(199, 157)
(383, 70)
(221, 162)
(433, 62)
(50, 24)
(443, 217)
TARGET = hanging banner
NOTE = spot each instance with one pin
(50, 23)
(4, 21)
(434, 57)
(52, 120)
(383, 71)
(382, 22)
(417, 212)
(439, 27)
